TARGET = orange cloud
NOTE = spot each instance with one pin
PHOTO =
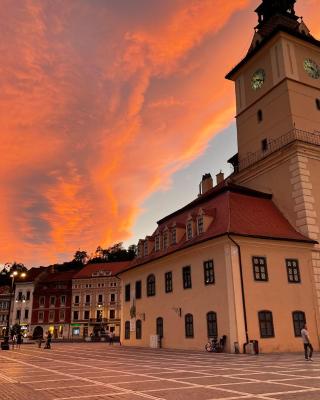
(101, 103)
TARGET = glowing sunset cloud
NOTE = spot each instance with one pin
(100, 102)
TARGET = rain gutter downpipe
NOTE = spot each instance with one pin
(242, 292)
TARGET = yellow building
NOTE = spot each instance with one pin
(242, 260)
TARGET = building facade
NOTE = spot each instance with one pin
(51, 309)
(96, 300)
(243, 260)
(4, 308)
(23, 298)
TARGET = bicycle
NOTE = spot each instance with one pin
(215, 346)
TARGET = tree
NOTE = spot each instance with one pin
(80, 256)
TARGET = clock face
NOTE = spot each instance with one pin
(311, 68)
(258, 79)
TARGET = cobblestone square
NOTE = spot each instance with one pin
(93, 371)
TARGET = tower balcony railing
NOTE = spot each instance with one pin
(273, 145)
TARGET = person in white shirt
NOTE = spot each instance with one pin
(308, 349)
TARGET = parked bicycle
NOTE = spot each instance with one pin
(216, 346)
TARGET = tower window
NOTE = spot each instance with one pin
(264, 145)
(260, 116)
(318, 104)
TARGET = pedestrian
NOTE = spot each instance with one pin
(19, 340)
(48, 341)
(13, 340)
(39, 341)
(111, 338)
(308, 349)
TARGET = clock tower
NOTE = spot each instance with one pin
(277, 87)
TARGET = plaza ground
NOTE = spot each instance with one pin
(99, 371)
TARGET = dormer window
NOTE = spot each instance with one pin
(200, 224)
(174, 236)
(165, 240)
(145, 248)
(157, 243)
(139, 250)
(189, 230)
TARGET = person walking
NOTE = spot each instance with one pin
(308, 349)
(39, 341)
(111, 338)
(13, 340)
(19, 340)
(48, 342)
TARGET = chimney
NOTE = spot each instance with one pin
(206, 184)
(220, 177)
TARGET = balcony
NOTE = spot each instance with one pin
(277, 144)
(98, 320)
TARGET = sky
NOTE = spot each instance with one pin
(110, 112)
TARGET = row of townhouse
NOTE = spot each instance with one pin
(68, 303)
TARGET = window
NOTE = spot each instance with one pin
(260, 116)
(112, 297)
(174, 236)
(76, 299)
(138, 289)
(151, 285)
(28, 295)
(51, 316)
(208, 271)
(293, 271)
(189, 230)
(52, 300)
(26, 313)
(145, 248)
(20, 296)
(264, 145)
(18, 314)
(127, 292)
(41, 301)
(100, 298)
(159, 327)
(88, 299)
(138, 329)
(86, 314)
(200, 224)
(157, 243)
(112, 314)
(168, 282)
(266, 324)
(40, 316)
(186, 277)
(188, 319)
(299, 320)
(63, 300)
(260, 271)
(75, 315)
(318, 104)
(165, 240)
(212, 326)
(127, 330)
(62, 315)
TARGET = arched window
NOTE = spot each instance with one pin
(127, 330)
(188, 319)
(212, 326)
(266, 324)
(138, 329)
(260, 116)
(151, 285)
(318, 104)
(299, 320)
(160, 327)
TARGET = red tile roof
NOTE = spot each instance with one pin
(59, 276)
(32, 274)
(112, 267)
(235, 210)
